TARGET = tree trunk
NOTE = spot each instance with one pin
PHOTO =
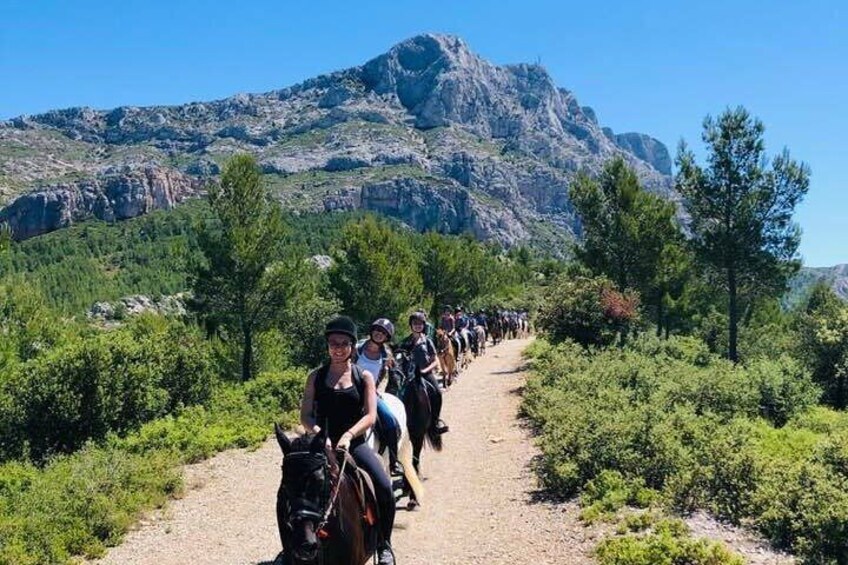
(732, 316)
(659, 317)
(247, 355)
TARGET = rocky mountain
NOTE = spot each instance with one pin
(800, 286)
(429, 133)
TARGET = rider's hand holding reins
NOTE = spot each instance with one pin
(344, 441)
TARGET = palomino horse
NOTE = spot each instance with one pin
(447, 357)
(416, 399)
(412, 483)
(319, 513)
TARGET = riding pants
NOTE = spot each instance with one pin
(387, 428)
(367, 459)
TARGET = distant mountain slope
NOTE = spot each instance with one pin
(429, 133)
(799, 287)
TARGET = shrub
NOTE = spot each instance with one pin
(78, 504)
(696, 433)
(784, 387)
(101, 383)
(587, 310)
(668, 544)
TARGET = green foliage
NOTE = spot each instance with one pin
(587, 310)
(81, 503)
(26, 324)
(463, 271)
(823, 333)
(237, 415)
(609, 492)
(376, 273)
(77, 266)
(668, 544)
(100, 383)
(245, 281)
(630, 236)
(741, 211)
(746, 442)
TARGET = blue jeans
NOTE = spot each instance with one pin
(387, 428)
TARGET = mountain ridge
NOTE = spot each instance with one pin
(428, 132)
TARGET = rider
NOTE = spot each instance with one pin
(461, 325)
(375, 357)
(446, 322)
(342, 398)
(424, 354)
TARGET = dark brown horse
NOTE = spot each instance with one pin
(319, 515)
(496, 329)
(416, 398)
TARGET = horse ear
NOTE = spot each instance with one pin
(317, 445)
(282, 439)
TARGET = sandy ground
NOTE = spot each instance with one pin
(482, 504)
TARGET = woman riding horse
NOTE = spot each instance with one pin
(341, 400)
(424, 354)
(375, 356)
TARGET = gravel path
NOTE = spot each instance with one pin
(481, 502)
(479, 505)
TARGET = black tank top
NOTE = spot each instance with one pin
(337, 410)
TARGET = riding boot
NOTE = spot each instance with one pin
(394, 466)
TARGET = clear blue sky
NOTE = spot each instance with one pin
(653, 67)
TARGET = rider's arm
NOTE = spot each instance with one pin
(307, 405)
(431, 347)
(370, 417)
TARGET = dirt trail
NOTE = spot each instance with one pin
(481, 502)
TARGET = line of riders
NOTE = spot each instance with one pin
(367, 412)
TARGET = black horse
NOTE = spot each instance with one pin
(319, 514)
(414, 391)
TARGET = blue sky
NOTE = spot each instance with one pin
(653, 67)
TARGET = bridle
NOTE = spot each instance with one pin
(301, 509)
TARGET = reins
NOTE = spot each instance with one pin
(333, 497)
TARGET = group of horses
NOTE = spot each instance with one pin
(330, 513)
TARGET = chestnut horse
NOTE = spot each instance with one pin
(447, 357)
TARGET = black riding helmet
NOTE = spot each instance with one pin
(418, 317)
(341, 325)
(385, 325)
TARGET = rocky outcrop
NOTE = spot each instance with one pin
(105, 312)
(646, 148)
(428, 132)
(114, 195)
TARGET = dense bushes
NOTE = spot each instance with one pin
(668, 544)
(746, 443)
(587, 310)
(102, 382)
(81, 503)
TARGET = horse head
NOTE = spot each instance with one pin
(305, 485)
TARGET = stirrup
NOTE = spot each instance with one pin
(441, 427)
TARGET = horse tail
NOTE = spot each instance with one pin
(405, 458)
(434, 438)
